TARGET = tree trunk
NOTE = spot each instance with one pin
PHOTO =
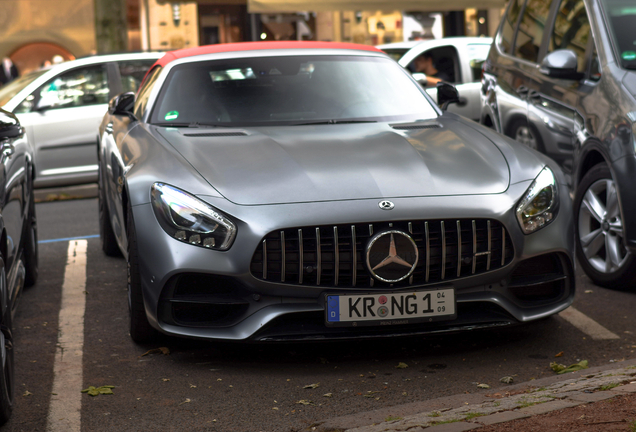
(111, 31)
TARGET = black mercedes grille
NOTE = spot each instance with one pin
(336, 255)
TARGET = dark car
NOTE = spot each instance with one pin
(561, 78)
(18, 241)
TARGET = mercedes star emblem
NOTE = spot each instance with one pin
(391, 256)
(386, 205)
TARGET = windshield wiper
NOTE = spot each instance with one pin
(190, 125)
(321, 122)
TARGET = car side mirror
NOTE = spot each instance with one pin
(9, 126)
(561, 63)
(446, 95)
(122, 104)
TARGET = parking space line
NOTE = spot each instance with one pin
(587, 325)
(69, 239)
(66, 402)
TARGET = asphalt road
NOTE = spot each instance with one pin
(203, 386)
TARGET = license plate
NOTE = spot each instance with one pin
(390, 309)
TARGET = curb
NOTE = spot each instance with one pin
(65, 193)
(455, 414)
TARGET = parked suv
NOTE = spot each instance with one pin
(60, 109)
(561, 78)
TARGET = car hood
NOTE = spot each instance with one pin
(295, 164)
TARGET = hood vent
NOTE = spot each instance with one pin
(215, 134)
(411, 126)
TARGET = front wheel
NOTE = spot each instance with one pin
(600, 238)
(30, 253)
(106, 233)
(140, 329)
(522, 132)
(7, 387)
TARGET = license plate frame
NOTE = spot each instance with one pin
(402, 301)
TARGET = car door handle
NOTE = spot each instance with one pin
(109, 128)
(522, 91)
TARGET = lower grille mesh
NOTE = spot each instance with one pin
(335, 255)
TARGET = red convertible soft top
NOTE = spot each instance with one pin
(249, 46)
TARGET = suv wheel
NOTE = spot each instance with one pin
(523, 133)
(600, 241)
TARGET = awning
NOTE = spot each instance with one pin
(275, 6)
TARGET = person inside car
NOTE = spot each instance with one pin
(424, 64)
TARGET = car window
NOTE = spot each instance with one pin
(477, 54)
(622, 23)
(595, 66)
(445, 61)
(79, 87)
(290, 90)
(531, 27)
(571, 30)
(395, 53)
(144, 92)
(508, 25)
(132, 72)
(8, 91)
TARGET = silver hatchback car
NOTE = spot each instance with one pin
(62, 106)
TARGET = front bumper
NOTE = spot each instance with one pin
(194, 292)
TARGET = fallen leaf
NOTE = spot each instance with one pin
(185, 402)
(588, 291)
(371, 394)
(27, 393)
(328, 395)
(96, 391)
(165, 379)
(305, 402)
(483, 386)
(275, 408)
(193, 386)
(559, 354)
(507, 380)
(162, 350)
(402, 366)
(561, 369)
(312, 386)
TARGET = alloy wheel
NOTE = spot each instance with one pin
(601, 228)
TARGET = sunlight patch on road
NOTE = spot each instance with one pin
(66, 401)
(587, 325)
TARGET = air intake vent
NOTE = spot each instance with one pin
(335, 255)
(412, 126)
(216, 134)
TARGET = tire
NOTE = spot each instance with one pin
(106, 233)
(140, 329)
(600, 244)
(7, 384)
(30, 253)
(522, 132)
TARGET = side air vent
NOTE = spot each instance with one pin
(412, 126)
(216, 134)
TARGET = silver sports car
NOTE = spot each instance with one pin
(307, 190)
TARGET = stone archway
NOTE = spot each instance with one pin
(33, 55)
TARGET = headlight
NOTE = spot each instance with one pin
(190, 220)
(539, 205)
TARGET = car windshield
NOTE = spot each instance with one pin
(288, 90)
(622, 23)
(395, 53)
(8, 91)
